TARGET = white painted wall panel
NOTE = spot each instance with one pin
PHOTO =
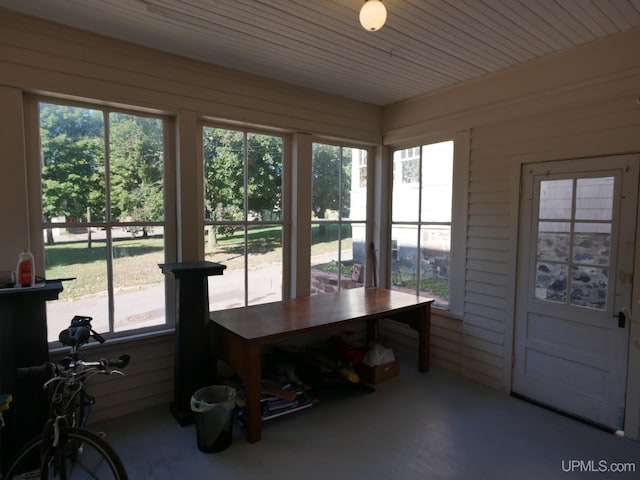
(40, 56)
(609, 125)
(445, 346)
(148, 379)
(542, 112)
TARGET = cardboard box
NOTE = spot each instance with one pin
(378, 373)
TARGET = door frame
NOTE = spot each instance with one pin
(632, 398)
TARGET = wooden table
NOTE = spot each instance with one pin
(240, 332)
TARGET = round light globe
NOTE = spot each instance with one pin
(373, 14)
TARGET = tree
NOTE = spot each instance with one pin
(224, 177)
(347, 166)
(331, 180)
(73, 172)
(265, 176)
(73, 162)
(224, 161)
(136, 168)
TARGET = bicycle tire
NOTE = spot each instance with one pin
(97, 460)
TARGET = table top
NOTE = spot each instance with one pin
(305, 314)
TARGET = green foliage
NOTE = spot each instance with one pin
(329, 232)
(73, 172)
(73, 161)
(331, 179)
(264, 185)
(345, 269)
(136, 156)
(224, 174)
(438, 287)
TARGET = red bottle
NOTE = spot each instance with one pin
(25, 271)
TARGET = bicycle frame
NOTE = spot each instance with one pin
(70, 407)
(59, 447)
(68, 397)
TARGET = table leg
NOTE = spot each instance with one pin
(253, 408)
(372, 331)
(424, 330)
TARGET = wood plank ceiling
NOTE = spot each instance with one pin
(425, 45)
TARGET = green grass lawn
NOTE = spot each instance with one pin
(135, 263)
(135, 260)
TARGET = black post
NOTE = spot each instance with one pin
(193, 358)
(23, 343)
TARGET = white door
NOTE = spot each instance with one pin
(575, 276)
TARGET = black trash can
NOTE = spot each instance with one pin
(213, 410)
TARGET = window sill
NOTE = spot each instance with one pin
(441, 312)
(56, 348)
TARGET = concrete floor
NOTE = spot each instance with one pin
(416, 426)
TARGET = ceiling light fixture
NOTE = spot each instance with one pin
(373, 14)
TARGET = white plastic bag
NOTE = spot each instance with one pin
(378, 354)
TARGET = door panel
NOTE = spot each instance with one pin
(575, 265)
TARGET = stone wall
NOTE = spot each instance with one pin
(323, 282)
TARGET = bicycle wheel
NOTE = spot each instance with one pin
(80, 454)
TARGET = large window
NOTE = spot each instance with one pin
(338, 218)
(421, 220)
(102, 177)
(243, 176)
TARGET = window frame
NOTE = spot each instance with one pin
(340, 221)
(284, 222)
(459, 214)
(37, 225)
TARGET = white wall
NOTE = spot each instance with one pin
(580, 104)
(14, 210)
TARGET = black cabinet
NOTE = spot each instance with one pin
(23, 343)
(193, 360)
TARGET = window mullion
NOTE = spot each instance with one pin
(245, 200)
(424, 210)
(108, 221)
(572, 232)
(340, 199)
(419, 229)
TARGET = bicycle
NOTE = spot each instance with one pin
(66, 449)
